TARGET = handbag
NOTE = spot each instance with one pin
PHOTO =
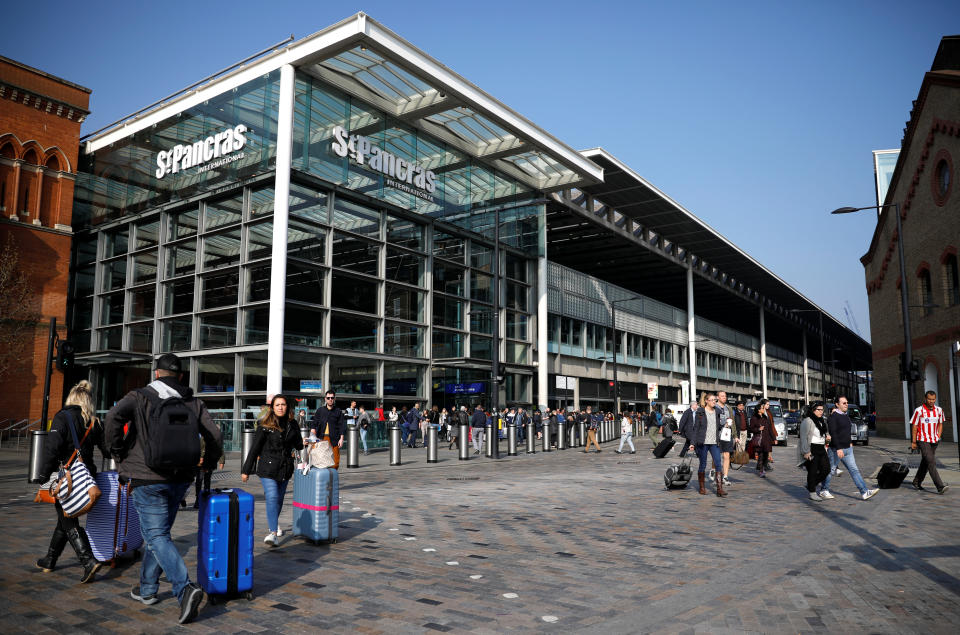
(725, 434)
(321, 454)
(740, 457)
(75, 490)
(46, 492)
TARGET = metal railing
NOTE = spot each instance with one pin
(19, 429)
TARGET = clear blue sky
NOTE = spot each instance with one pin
(758, 117)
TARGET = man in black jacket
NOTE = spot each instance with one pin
(156, 496)
(477, 422)
(841, 451)
(328, 419)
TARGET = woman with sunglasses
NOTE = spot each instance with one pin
(704, 439)
(812, 448)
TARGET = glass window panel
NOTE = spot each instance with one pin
(298, 367)
(143, 302)
(83, 313)
(481, 347)
(82, 341)
(111, 339)
(145, 268)
(481, 286)
(258, 283)
(86, 249)
(355, 254)
(303, 326)
(221, 250)
(448, 246)
(402, 340)
(352, 376)
(220, 289)
(516, 353)
(481, 319)
(141, 337)
(404, 303)
(517, 325)
(181, 259)
(216, 373)
(402, 379)
(115, 241)
(254, 372)
(517, 387)
(148, 235)
(516, 268)
(309, 204)
(447, 344)
(405, 233)
(517, 296)
(353, 333)
(83, 281)
(176, 334)
(448, 312)
(356, 218)
(304, 283)
(448, 278)
(225, 212)
(481, 257)
(178, 296)
(218, 329)
(114, 274)
(261, 201)
(306, 242)
(256, 325)
(353, 293)
(111, 308)
(259, 241)
(182, 224)
(404, 266)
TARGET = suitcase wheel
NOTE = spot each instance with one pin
(212, 599)
(333, 542)
(248, 595)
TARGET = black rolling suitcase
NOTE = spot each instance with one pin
(892, 474)
(663, 448)
(678, 475)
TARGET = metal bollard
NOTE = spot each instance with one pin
(432, 443)
(546, 436)
(246, 442)
(37, 439)
(531, 438)
(395, 445)
(463, 439)
(583, 433)
(353, 446)
(511, 440)
(488, 440)
(561, 435)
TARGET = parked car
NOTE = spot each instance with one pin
(779, 422)
(793, 422)
(859, 430)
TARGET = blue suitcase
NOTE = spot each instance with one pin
(113, 525)
(225, 543)
(316, 504)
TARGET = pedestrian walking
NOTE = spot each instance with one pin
(77, 417)
(363, 428)
(841, 451)
(157, 491)
(764, 435)
(653, 427)
(329, 420)
(593, 422)
(812, 448)
(626, 435)
(271, 458)
(705, 439)
(728, 437)
(926, 428)
(685, 427)
(477, 422)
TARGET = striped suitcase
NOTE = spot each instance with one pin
(225, 543)
(316, 504)
(113, 525)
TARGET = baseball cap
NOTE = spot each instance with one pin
(169, 361)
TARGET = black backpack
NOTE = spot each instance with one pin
(171, 439)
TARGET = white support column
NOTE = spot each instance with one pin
(543, 354)
(763, 354)
(281, 214)
(691, 334)
(806, 371)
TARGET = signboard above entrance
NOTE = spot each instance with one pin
(398, 172)
(465, 389)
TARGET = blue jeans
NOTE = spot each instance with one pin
(714, 450)
(363, 438)
(850, 463)
(156, 507)
(273, 493)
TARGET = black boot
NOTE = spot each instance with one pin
(81, 544)
(57, 543)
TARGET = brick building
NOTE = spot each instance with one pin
(924, 186)
(40, 117)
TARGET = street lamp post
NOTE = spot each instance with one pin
(907, 344)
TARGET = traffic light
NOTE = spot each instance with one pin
(914, 370)
(65, 351)
(610, 388)
(501, 372)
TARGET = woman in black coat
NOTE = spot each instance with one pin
(764, 435)
(274, 443)
(78, 413)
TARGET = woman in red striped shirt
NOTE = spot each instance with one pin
(926, 426)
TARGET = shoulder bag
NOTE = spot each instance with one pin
(75, 489)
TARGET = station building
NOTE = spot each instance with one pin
(324, 215)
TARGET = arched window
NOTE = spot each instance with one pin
(53, 162)
(951, 281)
(925, 287)
(7, 177)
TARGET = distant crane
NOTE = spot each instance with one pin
(851, 321)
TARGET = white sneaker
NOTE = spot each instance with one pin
(271, 539)
(815, 497)
(279, 533)
(826, 495)
(726, 481)
(838, 472)
(869, 493)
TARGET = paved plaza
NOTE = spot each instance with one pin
(553, 542)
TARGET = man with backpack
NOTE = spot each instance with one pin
(158, 457)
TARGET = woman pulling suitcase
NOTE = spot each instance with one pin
(271, 455)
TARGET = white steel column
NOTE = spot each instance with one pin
(806, 371)
(763, 354)
(543, 354)
(691, 334)
(281, 214)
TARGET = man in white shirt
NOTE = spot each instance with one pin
(926, 428)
